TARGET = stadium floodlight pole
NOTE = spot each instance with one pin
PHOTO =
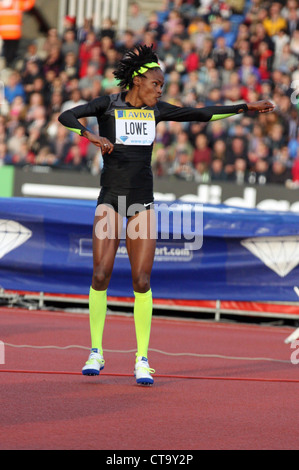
(114, 9)
(106, 9)
(61, 14)
(80, 14)
(123, 15)
(91, 10)
(98, 17)
(72, 8)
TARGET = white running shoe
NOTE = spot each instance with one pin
(143, 372)
(94, 364)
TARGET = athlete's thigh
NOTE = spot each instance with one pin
(107, 230)
(141, 241)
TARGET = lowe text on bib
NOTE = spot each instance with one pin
(135, 127)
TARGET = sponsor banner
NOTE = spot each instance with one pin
(241, 254)
(6, 181)
(46, 182)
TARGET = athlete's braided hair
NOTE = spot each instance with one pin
(132, 61)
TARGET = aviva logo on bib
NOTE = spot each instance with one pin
(135, 114)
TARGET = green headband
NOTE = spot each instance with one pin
(145, 68)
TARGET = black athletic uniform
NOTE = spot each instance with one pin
(127, 170)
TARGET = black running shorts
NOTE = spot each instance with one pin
(128, 204)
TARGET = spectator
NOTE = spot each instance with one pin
(18, 109)
(227, 71)
(265, 60)
(286, 61)
(71, 65)
(182, 167)
(202, 173)
(69, 23)
(221, 52)
(292, 17)
(174, 19)
(127, 41)
(53, 61)
(240, 51)
(294, 44)
(247, 69)
(90, 85)
(109, 82)
(274, 22)
(190, 57)
(60, 145)
(37, 139)
(137, 21)
(75, 100)
(279, 173)
(18, 138)
(259, 35)
(83, 31)
(107, 30)
(161, 164)
(217, 172)
(202, 152)
(237, 151)
(261, 152)
(260, 172)
(14, 87)
(45, 157)
(85, 51)
(240, 173)
(154, 26)
(31, 71)
(52, 41)
(70, 43)
(279, 41)
(23, 156)
(5, 157)
(181, 145)
(11, 15)
(219, 150)
(198, 31)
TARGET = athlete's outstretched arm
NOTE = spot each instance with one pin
(169, 112)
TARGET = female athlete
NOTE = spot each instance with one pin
(127, 122)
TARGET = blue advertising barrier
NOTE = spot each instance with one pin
(244, 254)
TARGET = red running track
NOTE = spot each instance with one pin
(197, 402)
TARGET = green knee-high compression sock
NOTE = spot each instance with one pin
(97, 316)
(143, 309)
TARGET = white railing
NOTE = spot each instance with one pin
(98, 10)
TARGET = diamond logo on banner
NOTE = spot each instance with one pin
(281, 254)
(12, 235)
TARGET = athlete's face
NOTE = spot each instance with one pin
(151, 87)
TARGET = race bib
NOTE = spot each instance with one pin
(135, 127)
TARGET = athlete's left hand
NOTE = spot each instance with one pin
(263, 106)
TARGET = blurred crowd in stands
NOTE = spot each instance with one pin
(212, 51)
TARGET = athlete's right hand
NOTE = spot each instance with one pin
(104, 144)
